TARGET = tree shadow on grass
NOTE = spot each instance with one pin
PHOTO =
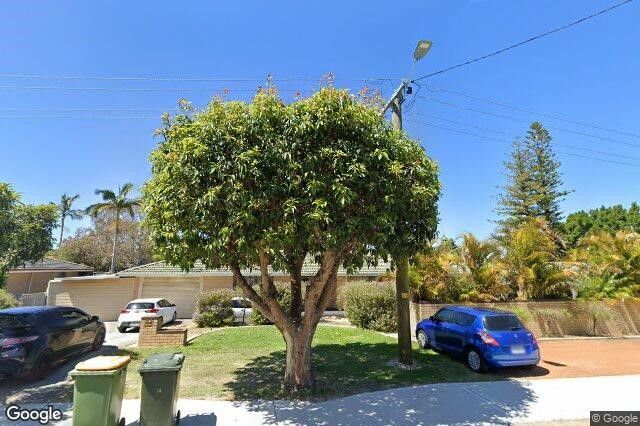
(357, 370)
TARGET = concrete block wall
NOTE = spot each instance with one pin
(152, 334)
(561, 318)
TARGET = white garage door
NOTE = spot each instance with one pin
(102, 299)
(183, 294)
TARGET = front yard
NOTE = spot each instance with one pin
(245, 363)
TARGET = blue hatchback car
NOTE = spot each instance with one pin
(485, 337)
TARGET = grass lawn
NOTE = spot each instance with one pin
(244, 363)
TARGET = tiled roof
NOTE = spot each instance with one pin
(51, 264)
(309, 268)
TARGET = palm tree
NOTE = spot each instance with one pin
(482, 265)
(116, 204)
(531, 259)
(66, 210)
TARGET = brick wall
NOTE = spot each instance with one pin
(561, 318)
(152, 334)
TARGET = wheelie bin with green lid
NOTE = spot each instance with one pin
(98, 390)
(160, 380)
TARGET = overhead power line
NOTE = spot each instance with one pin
(84, 109)
(189, 79)
(143, 89)
(528, 111)
(519, 120)
(529, 40)
(580, 148)
(509, 142)
(92, 117)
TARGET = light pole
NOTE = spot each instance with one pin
(402, 261)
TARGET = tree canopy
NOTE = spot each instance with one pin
(93, 245)
(265, 184)
(65, 209)
(608, 219)
(534, 182)
(25, 230)
(115, 202)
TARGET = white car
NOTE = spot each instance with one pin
(136, 309)
(241, 309)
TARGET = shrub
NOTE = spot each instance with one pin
(371, 305)
(213, 308)
(7, 300)
(284, 299)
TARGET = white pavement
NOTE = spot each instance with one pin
(502, 402)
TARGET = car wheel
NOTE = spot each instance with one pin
(475, 361)
(122, 329)
(423, 339)
(98, 340)
(42, 366)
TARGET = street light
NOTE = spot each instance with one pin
(402, 262)
(422, 48)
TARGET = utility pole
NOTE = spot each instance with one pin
(405, 355)
(402, 261)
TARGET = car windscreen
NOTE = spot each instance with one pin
(502, 323)
(140, 306)
(13, 325)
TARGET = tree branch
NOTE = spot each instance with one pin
(270, 294)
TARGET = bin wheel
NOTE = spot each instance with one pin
(122, 422)
(178, 417)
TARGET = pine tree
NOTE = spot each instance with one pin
(546, 175)
(517, 202)
(534, 182)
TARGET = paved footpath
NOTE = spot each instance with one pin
(503, 402)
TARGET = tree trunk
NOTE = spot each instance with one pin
(297, 334)
(61, 231)
(522, 293)
(115, 240)
(298, 374)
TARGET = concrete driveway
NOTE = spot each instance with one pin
(57, 386)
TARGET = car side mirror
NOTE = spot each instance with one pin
(95, 318)
(173, 305)
(431, 318)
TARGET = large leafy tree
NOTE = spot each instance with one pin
(25, 230)
(93, 245)
(117, 202)
(608, 219)
(265, 185)
(66, 210)
(534, 182)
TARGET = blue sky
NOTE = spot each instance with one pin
(588, 73)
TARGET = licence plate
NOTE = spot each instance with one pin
(517, 350)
